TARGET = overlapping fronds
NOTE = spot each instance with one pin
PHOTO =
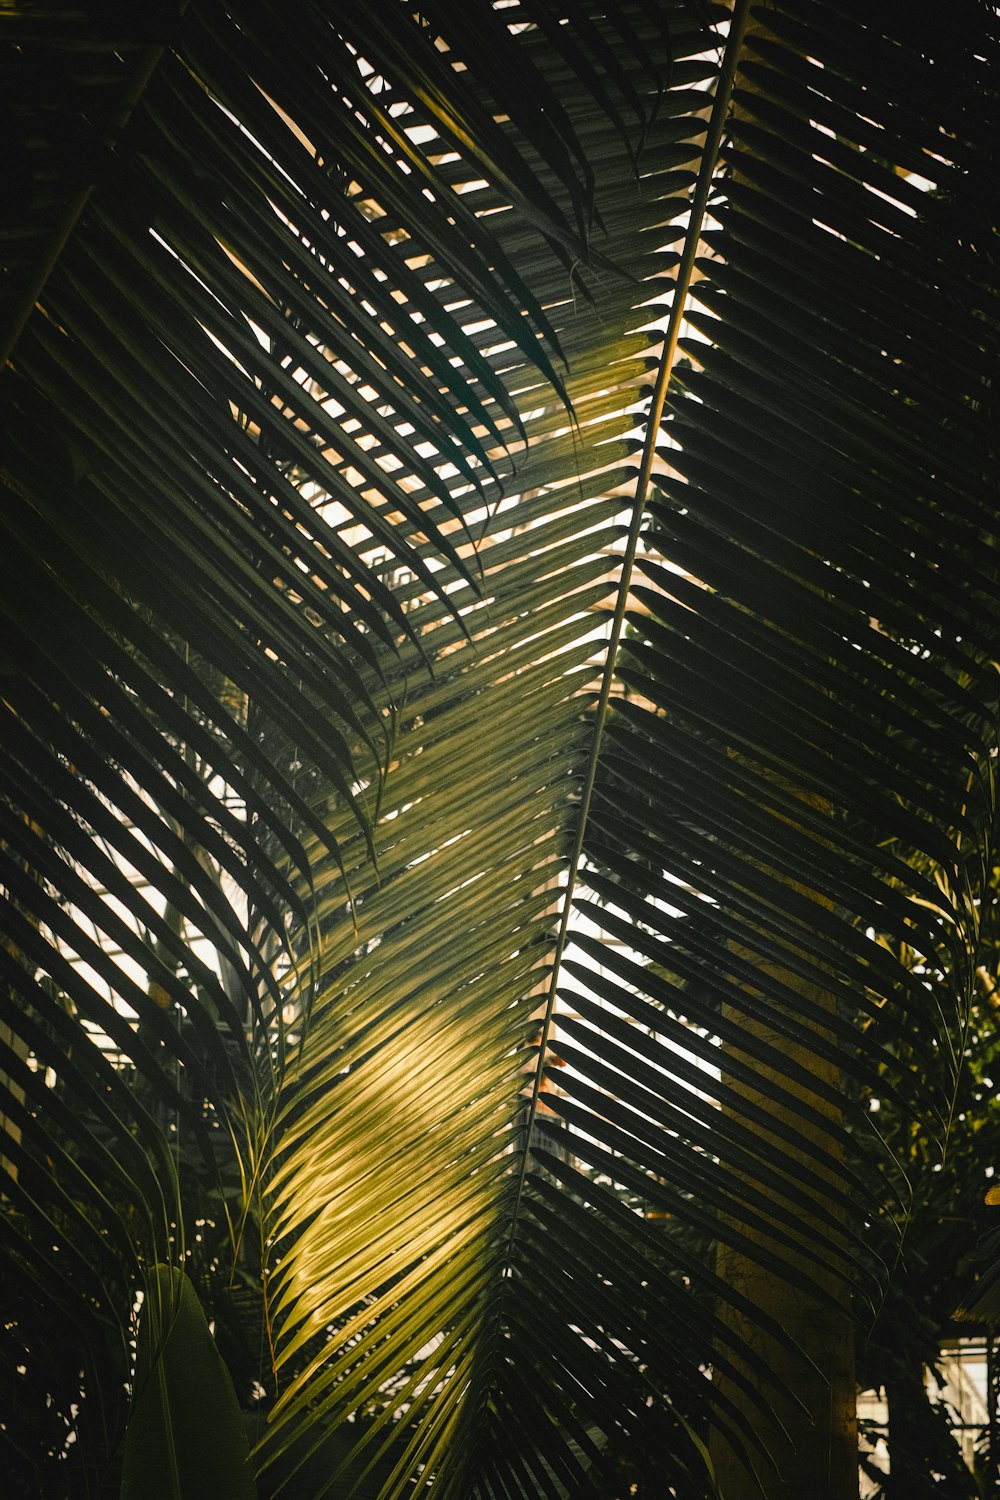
(798, 781)
(324, 363)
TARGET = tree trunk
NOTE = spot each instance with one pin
(907, 1405)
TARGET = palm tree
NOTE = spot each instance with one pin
(368, 375)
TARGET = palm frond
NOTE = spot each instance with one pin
(346, 910)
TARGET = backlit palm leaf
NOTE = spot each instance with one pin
(307, 750)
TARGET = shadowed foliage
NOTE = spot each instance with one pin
(499, 607)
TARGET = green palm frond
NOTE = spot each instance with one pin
(455, 867)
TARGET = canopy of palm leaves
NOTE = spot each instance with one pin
(351, 645)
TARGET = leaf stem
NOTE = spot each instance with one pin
(685, 270)
(149, 61)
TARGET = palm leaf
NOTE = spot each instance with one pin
(314, 744)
